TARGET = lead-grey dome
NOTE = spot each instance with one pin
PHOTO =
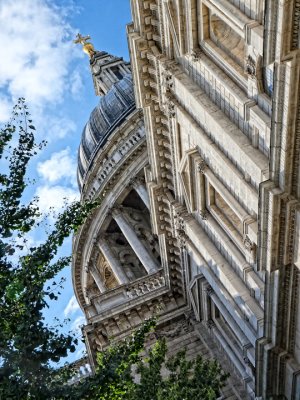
(111, 111)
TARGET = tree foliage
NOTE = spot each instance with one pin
(29, 348)
(185, 379)
(27, 344)
(124, 373)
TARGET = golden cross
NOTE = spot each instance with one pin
(81, 39)
(88, 48)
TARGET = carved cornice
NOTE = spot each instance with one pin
(292, 208)
(296, 25)
(137, 181)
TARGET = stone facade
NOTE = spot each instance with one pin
(200, 187)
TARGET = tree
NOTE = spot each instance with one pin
(27, 344)
(183, 379)
(186, 379)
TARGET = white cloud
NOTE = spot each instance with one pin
(5, 110)
(36, 49)
(37, 52)
(55, 127)
(71, 307)
(76, 83)
(54, 197)
(61, 165)
(77, 323)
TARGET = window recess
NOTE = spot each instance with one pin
(206, 195)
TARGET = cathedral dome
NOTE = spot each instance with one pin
(111, 111)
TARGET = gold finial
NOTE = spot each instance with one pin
(87, 47)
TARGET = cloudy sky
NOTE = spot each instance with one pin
(40, 62)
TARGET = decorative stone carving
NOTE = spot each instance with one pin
(190, 317)
(169, 80)
(209, 290)
(250, 66)
(115, 210)
(202, 166)
(249, 245)
(181, 239)
(145, 286)
(203, 214)
(179, 223)
(195, 54)
(137, 181)
(210, 324)
(253, 67)
(171, 109)
(182, 327)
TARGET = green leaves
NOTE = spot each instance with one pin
(160, 378)
(27, 344)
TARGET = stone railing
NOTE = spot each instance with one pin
(145, 286)
(82, 370)
(124, 293)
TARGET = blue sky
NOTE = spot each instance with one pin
(40, 62)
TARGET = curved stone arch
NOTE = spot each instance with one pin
(102, 218)
(98, 222)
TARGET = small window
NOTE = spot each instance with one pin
(117, 72)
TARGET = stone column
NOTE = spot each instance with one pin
(122, 68)
(110, 75)
(97, 277)
(142, 253)
(113, 261)
(141, 191)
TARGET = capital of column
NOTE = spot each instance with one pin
(139, 185)
(136, 182)
(116, 210)
(101, 237)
